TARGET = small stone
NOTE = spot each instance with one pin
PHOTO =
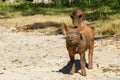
(4, 68)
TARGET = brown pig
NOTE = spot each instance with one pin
(77, 42)
(78, 22)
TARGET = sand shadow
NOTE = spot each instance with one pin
(55, 27)
(66, 68)
(42, 25)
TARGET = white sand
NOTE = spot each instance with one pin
(33, 56)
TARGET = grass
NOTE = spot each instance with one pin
(31, 17)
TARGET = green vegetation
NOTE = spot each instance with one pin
(58, 6)
(103, 16)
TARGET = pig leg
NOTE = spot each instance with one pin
(90, 56)
(82, 62)
(72, 62)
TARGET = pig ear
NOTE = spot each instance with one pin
(64, 29)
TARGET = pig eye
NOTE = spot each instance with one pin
(80, 16)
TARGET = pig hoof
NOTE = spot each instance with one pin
(71, 73)
(83, 74)
(90, 67)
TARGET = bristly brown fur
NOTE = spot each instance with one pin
(79, 42)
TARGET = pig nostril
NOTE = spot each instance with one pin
(71, 38)
(75, 26)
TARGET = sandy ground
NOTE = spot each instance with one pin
(33, 56)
